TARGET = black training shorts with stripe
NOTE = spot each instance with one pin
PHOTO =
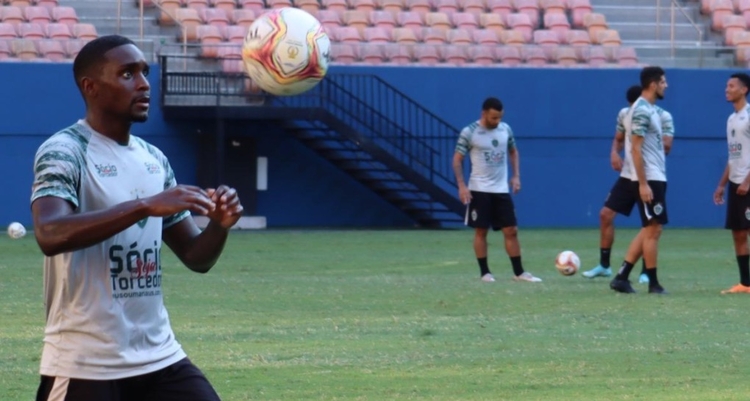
(487, 210)
(656, 210)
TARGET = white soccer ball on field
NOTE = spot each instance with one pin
(567, 263)
(286, 51)
(16, 230)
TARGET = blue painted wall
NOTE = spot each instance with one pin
(563, 121)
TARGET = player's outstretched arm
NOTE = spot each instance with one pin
(199, 250)
(59, 228)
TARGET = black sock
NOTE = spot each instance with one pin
(483, 268)
(743, 261)
(643, 267)
(517, 267)
(604, 256)
(625, 269)
(652, 280)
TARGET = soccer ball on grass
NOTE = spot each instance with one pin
(567, 263)
(16, 230)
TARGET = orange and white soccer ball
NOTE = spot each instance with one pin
(567, 263)
(286, 51)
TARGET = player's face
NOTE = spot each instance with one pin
(125, 91)
(661, 86)
(735, 90)
(491, 118)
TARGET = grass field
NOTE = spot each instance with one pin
(402, 315)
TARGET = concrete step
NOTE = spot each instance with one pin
(644, 30)
(689, 62)
(631, 14)
(681, 52)
(634, 3)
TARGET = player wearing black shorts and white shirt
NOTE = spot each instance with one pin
(624, 193)
(490, 143)
(644, 127)
(737, 173)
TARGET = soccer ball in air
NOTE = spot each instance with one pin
(16, 230)
(286, 51)
(567, 263)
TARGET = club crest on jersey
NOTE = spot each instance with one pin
(658, 208)
(106, 170)
(495, 143)
(152, 168)
(747, 213)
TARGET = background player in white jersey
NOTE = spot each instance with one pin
(490, 143)
(624, 193)
(102, 202)
(737, 173)
(644, 126)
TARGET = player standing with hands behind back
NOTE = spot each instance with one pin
(737, 173)
(490, 143)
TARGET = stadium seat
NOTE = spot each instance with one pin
(447, 6)
(72, 47)
(214, 16)
(375, 35)
(335, 5)
(279, 3)
(196, 4)
(580, 8)
(743, 7)
(530, 8)
(434, 36)
(559, 24)
(522, 23)
(47, 3)
(533, 55)
(231, 51)
(594, 55)
(719, 10)
(473, 6)
(355, 18)
(566, 56)
(492, 21)
(37, 15)
(343, 53)
(595, 22)
(398, 55)
(626, 56)
(365, 6)
(509, 55)
(404, 36)
(513, 37)
(65, 15)
(577, 37)
(733, 24)
(166, 14)
(242, 17)
(12, 15)
(24, 49)
(5, 52)
(226, 5)
(18, 3)
(51, 50)
(409, 19)
(501, 7)
(209, 36)
(58, 31)
(84, 32)
(189, 20)
(257, 6)
(232, 66)
(454, 55)
(371, 54)
(347, 34)
(481, 55)
(609, 37)
(311, 6)
(486, 37)
(438, 20)
(419, 6)
(8, 31)
(553, 6)
(392, 6)
(30, 31)
(427, 55)
(459, 37)
(235, 33)
(329, 19)
(383, 19)
(465, 20)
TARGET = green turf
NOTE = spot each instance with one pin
(402, 315)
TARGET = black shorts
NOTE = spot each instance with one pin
(738, 210)
(181, 381)
(490, 210)
(623, 196)
(657, 209)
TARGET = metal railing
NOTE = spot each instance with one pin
(674, 5)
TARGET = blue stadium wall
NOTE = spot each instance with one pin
(563, 121)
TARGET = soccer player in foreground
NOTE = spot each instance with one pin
(490, 143)
(644, 125)
(102, 202)
(737, 173)
(624, 193)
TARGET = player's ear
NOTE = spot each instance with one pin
(88, 87)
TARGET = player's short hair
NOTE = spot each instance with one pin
(492, 103)
(92, 54)
(651, 74)
(744, 78)
(633, 93)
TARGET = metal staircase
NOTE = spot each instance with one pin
(359, 123)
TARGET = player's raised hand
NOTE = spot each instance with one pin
(515, 184)
(464, 194)
(719, 195)
(646, 194)
(178, 199)
(228, 207)
(616, 161)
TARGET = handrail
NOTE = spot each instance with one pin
(141, 19)
(674, 5)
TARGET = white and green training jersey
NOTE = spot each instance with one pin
(738, 143)
(667, 128)
(488, 151)
(644, 120)
(105, 312)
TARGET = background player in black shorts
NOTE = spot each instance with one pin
(737, 173)
(490, 144)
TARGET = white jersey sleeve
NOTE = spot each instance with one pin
(738, 144)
